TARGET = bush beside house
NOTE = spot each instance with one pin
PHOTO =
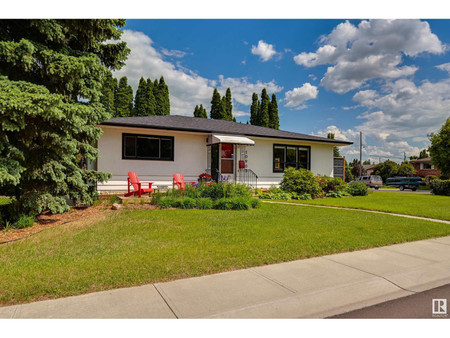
(440, 187)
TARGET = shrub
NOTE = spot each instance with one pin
(23, 222)
(205, 203)
(335, 194)
(300, 181)
(304, 196)
(357, 189)
(275, 194)
(328, 184)
(223, 204)
(255, 203)
(156, 197)
(440, 187)
(167, 202)
(444, 177)
(187, 203)
(240, 203)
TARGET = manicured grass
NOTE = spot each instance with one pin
(133, 247)
(425, 205)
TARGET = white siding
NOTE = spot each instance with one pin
(190, 158)
(260, 159)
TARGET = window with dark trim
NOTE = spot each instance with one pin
(147, 147)
(286, 156)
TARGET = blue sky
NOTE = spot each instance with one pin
(375, 76)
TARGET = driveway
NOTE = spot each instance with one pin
(311, 288)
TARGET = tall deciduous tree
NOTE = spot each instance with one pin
(123, 99)
(263, 116)
(423, 154)
(440, 148)
(274, 119)
(254, 109)
(51, 76)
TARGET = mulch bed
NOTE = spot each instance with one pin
(48, 220)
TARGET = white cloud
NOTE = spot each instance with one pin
(239, 113)
(174, 52)
(186, 88)
(264, 50)
(445, 67)
(373, 49)
(242, 89)
(297, 96)
(407, 110)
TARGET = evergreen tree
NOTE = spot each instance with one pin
(263, 116)
(234, 119)
(229, 105)
(162, 100)
(223, 113)
(254, 109)
(151, 106)
(202, 112)
(123, 98)
(274, 120)
(141, 99)
(109, 88)
(215, 105)
(51, 77)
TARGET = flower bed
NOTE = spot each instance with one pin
(222, 196)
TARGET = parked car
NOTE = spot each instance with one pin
(372, 181)
(405, 182)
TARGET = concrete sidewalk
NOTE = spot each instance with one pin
(311, 288)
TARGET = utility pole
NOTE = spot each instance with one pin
(404, 156)
(360, 153)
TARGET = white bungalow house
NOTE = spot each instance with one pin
(156, 147)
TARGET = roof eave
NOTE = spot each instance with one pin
(145, 126)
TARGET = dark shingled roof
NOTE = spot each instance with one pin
(194, 124)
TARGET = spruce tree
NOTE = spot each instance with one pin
(51, 78)
(202, 112)
(263, 116)
(123, 98)
(254, 109)
(215, 105)
(164, 89)
(274, 120)
(234, 119)
(223, 112)
(196, 111)
(229, 105)
(151, 106)
(141, 99)
(109, 88)
(161, 97)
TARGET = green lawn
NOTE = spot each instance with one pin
(133, 247)
(426, 205)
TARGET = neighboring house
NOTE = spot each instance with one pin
(156, 147)
(424, 167)
(368, 168)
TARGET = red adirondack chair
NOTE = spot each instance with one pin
(133, 180)
(178, 180)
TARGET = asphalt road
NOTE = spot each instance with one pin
(418, 305)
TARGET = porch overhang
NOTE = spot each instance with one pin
(232, 139)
